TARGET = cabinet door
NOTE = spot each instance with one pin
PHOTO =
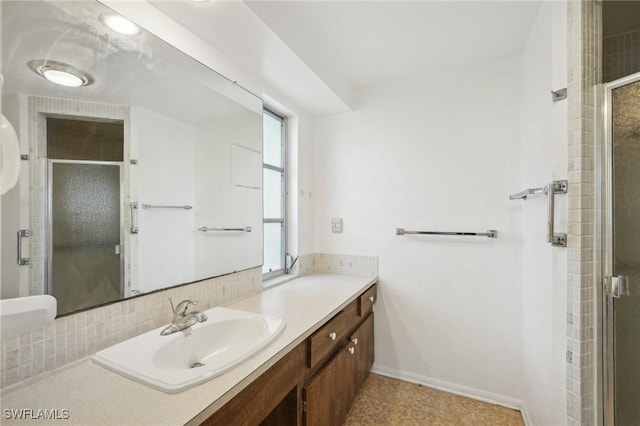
(362, 340)
(330, 393)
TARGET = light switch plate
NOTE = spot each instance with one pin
(336, 225)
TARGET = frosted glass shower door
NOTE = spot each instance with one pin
(85, 267)
(624, 250)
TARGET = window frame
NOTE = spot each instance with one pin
(283, 221)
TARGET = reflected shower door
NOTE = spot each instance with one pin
(623, 250)
(85, 267)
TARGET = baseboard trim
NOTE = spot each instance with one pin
(473, 393)
(525, 415)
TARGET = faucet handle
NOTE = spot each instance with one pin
(182, 307)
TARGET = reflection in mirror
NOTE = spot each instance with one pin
(132, 148)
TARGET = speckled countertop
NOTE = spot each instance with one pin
(94, 396)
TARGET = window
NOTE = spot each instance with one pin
(274, 194)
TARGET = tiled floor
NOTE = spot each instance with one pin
(390, 402)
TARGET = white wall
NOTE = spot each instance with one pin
(164, 176)
(307, 182)
(219, 203)
(14, 211)
(544, 158)
(440, 153)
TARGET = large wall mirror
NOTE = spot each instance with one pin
(144, 167)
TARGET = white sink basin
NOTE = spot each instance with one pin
(26, 313)
(177, 362)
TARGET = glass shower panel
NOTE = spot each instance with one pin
(85, 261)
(626, 249)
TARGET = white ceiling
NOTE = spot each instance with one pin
(137, 70)
(370, 43)
(320, 53)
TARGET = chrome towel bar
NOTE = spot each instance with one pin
(491, 233)
(207, 229)
(152, 206)
(531, 191)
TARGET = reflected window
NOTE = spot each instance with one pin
(273, 194)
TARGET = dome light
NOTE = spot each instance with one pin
(60, 73)
(120, 25)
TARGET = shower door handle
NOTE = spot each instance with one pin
(555, 187)
(617, 286)
(134, 217)
(23, 233)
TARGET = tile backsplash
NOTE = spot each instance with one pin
(77, 336)
(337, 263)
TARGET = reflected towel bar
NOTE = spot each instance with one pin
(206, 229)
(491, 233)
(152, 206)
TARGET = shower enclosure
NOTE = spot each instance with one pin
(85, 222)
(620, 260)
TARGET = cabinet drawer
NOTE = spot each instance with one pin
(366, 301)
(324, 341)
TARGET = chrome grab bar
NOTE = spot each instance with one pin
(152, 206)
(491, 233)
(555, 187)
(23, 233)
(134, 217)
(207, 229)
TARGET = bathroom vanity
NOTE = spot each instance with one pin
(317, 381)
(309, 375)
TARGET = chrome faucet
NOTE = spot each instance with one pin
(182, 319)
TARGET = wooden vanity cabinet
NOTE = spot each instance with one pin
(365, 355)
(315, 383)
(332, 335)
(328, 396)
(270, 399)
(366, 301)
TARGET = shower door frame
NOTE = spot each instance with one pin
(604, 262)
(48, 284)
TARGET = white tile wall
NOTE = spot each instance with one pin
(76, 336)
(584, 39)
(621, 55)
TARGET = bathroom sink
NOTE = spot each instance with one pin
(26, 313)
(182, 360)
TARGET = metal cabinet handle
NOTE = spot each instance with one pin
(555, 187)
(352, 350)
(355, 340)
(134, 217)
(371, 299)
(333, 335)
(23, 233)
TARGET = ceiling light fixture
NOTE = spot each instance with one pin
(119, 24)
(60, 73)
